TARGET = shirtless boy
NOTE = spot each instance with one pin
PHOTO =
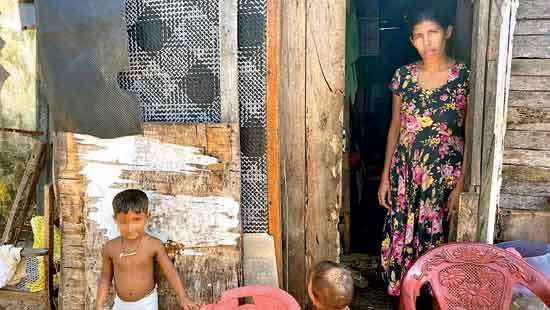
(130, 259)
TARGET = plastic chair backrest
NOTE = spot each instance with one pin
(262, 297)
(470, 276)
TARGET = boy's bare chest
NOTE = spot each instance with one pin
(131, 262)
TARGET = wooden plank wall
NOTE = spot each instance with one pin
(191, 174)
(311, 122)
(524, 201)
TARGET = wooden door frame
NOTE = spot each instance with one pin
(491, 56)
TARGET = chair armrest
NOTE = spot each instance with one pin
(28, 252)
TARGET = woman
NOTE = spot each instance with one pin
(422, 176)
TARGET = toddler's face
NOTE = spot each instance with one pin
(131, 225)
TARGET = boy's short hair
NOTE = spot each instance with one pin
(335, 281)
(130, 200)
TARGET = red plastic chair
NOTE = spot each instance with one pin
(262, 298)
(470, 276)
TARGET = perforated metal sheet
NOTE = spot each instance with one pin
(252, 99)
(174, 59)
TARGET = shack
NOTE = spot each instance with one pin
(235, 117)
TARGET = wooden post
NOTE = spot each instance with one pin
(325, 63)
(229, 77)
(49, 211)
(311, 123)
(273, 172)
(25, 191)
(292, 144)
(499, 57)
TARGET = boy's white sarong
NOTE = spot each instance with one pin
(149, 302)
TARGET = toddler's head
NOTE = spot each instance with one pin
(330, 286)
(131, 213)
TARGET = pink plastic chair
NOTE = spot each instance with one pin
(471, 276)
(262, 298)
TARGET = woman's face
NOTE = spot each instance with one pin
(430, 39)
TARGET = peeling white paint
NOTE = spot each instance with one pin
(191, 221)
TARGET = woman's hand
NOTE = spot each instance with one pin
(452, 202)
(384, 193)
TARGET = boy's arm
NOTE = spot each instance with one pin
(172, 276)
(105, 280)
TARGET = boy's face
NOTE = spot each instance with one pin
(131, 225)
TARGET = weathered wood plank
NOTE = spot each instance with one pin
(474, 126)
(503, 14)
(199, 215)
(467, 217)
(72, 289)
(524, 225)
(27, 187)
(292, 145)
(229, 77)
(531, 46)
(513, 201)
(530, 99)
(533, 9)
(325, 54)
(533, 27)
(540, 67)
(527, 118)
(527, 157)
(532, 83)
(514, 173)
(534, 140)
(272, 110)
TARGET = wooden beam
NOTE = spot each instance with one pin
(292, 144)
(503, 14)
(49, 270)
(325, 63)
(25, 191)
(229, 77)
(272, 102)
(474, 126)
(30, 133)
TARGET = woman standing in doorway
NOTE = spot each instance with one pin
(422, 176)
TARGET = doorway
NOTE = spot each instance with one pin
(377, 44)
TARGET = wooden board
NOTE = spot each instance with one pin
(532, 9)
(325, 54)
(521, 202)
(531, 46)
(527, 157)
(536, 99)
(531, 67)
(503, 14)
(531, 83)
(25, 191)
(533, 27)
(474, 126)
(191, 174)
(534, 140)
(528, 118)
(525, 174)
(292, 143)
(524, 225)
(272, 109)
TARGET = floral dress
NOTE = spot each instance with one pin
(425, 167)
